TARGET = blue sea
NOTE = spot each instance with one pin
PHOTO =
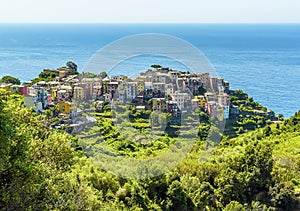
(261, 59)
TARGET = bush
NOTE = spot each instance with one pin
(11, 80)
(234, 206)
(282, 196)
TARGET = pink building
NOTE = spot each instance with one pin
(212, 108)
(23, 90)
(224, 100)
(49, 99)
(97, 92)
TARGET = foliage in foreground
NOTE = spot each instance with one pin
(41, 169)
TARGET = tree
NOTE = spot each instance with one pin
(72, 66)
(10, 79)
(88, 75)
(280, 117)
(203, 131)
(14, 151)
(155, 66)
(282, 196)
(168, 97)
(201, 90)
(47, 75)
(178, 199)
(103, 75)
(48, 113)
(267, 131)
(203, 196)
(234, 206)
(150, 101)
(257, 167)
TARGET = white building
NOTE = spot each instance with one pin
(183, 99)
(131, 90)
(159, 87)
(161, 78)
(148, 85)
(169, 89)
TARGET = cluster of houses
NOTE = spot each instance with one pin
(159, 89)
(168, 91)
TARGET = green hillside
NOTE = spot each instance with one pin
(42, 169)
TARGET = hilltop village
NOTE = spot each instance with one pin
(158, 89)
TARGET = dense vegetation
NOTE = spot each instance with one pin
(251, 114)
(10, 80)
(45, 169)
(93, 75)
(49, 76)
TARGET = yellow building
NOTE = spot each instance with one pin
(158, 104)
(201, 100)
(54, 94)
(78, 93)
(140, 86)
(66, 107)
(119, 78)
(63, 72)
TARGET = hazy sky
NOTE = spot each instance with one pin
(195, 11)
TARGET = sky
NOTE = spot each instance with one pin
(150, 11)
